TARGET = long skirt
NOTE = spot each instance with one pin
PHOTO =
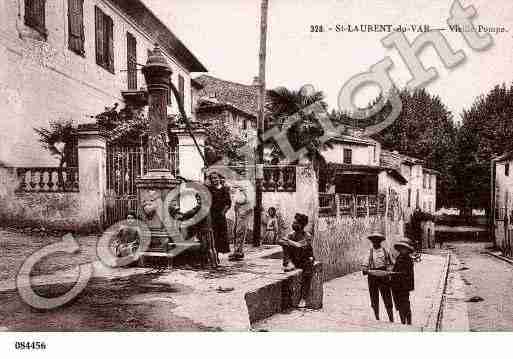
(220, 227)
(208, 249)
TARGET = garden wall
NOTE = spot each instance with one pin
(62, 211)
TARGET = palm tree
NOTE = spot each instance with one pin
(283, 105)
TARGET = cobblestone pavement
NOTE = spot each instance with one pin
(488, 284)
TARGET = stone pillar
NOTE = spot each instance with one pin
(92, 173)
(190, 162)
(154, 186)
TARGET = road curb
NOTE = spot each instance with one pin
(433, 323)
(500, 257)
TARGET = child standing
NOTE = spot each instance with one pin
(379, 259)
(403, 280)
(271, 230)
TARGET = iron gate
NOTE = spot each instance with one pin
(124, 165)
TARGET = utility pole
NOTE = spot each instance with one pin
(259, 151)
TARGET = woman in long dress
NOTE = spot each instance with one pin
(204, 233)
(221, 203)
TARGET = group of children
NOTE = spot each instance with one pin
(392, 280)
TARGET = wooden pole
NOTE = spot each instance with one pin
(259, 152)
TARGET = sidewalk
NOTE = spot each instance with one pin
(347, 305)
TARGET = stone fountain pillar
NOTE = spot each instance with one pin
(155, 185)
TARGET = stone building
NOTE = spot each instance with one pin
(68, 60)
(501, 202)
(71, 60)
(228, 103)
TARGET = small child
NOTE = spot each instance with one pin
(271, 230)
(403, 280)
(128, 237)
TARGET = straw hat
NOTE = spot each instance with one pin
(376, 236)
(405, 242)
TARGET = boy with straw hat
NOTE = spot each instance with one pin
(376, 267)
(403, 279)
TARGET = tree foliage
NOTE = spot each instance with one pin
(287, 112)
(222, 143)
(59, 140)
(425, 130)
(486, 130)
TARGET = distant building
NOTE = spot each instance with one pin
(502, 203)
(225, 102)
(420, 190)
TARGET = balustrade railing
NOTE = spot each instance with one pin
(279, 179)
(276, 178)
(341, 204)
(327, 204)
(48, 179)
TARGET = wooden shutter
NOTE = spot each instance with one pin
(109, 43)
(181, 86)
(99, 28)
(131, 50)
(76, 25)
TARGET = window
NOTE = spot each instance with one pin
(35, 15)
(506, 169)
(348, 156)
(181, 88)
(131, 61)
(417, 201)
(430, 179)
(244, 124)
(76, 26)
(409, 197)
(104, 40)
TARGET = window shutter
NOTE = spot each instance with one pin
(99, 27)
(109, 42)
(76, 25)
(131, 61)
(181, 88)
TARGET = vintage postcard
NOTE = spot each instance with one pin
(255, 166)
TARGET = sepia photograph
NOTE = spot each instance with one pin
(255, 167)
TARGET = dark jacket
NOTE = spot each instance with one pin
(404, 281)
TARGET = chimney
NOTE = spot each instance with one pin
(256, 81)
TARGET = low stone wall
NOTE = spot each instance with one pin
(60, 211)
